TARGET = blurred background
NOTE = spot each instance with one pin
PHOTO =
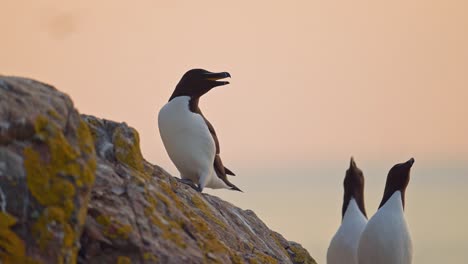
(313, 83)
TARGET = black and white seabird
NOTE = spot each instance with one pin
(189, 138)
(344, 244)
(386, 238)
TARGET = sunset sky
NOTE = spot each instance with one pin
(313, 82)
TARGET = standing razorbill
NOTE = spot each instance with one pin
(386, 238)
(343, 247)
(189, 138)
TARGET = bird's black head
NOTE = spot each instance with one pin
(353, 187)
(197, 82)
(397, 180)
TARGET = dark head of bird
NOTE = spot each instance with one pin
(397, 180)
(197, 82)
(353, 188)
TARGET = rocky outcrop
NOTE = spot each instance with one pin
(77, 189)
(47, 170)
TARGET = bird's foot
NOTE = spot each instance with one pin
(191, 184)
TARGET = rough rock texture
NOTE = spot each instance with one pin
(47, 165)
(137, 212)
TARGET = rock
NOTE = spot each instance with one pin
(62, 203)
(47, 165)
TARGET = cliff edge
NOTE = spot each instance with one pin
(76, 189)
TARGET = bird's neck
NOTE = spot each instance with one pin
(394, 202)
(352, 211)
(390, 194)
(186, 101)
(193, 105)
(357, 198)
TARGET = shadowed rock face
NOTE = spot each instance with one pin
(136, 212)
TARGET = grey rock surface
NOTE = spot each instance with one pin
(47, 170)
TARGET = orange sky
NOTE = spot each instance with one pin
(314, 79)
(311, 80)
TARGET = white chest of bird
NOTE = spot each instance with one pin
(386, 238)
(344, 245)
(187, 139)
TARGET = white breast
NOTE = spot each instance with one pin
(187, 139)
(386, 238)
(344, 245)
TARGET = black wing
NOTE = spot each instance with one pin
(221, 171)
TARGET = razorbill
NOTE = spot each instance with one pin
(343, 246)
(189, 138)
(386, 238)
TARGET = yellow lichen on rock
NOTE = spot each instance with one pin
(169, 192)
(86, 145)
(114, 229)
(171, 222)
(261, 258)
(47, 187)
(6, 220)
(275, 238)
(150, 257)
(12, 248)
(169, 227)
(123, 260)
(55, 176)
(236, 259)
(200, 204)
(53, 218)
(301, 255)
(127, 151)
(83, 211)
(47, 179)
(54, 114)
(209, 243)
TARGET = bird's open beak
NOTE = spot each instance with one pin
(218, 76)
